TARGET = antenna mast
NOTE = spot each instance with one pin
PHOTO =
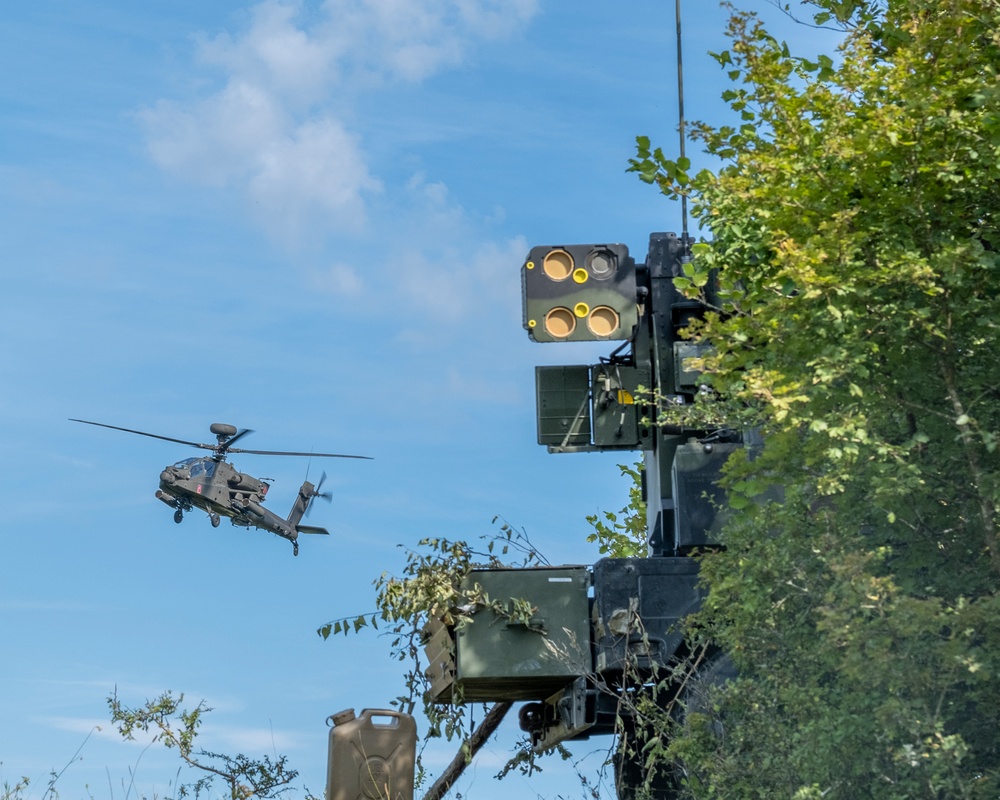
(686, 249)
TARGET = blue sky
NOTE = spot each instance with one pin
(304, 218)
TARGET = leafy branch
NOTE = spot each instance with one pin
(623, 534)
(177, 728)
(434, 585)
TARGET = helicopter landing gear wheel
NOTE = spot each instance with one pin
(215, 520)
(295, 548)
(178, 516)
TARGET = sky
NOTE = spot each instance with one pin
(307, 219)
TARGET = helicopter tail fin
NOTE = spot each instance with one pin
(301, 504)
(307, 493)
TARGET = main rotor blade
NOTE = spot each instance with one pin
(236, 438)
(288, 453)
(144, 433)
(216, 448)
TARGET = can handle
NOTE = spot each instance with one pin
(372, 715)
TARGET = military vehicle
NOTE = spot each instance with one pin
(216, 487)
(599, 631)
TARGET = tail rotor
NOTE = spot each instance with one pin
(317, 493)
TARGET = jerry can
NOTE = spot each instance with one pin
(371, 756)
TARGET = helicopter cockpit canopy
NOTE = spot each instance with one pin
(197, 467)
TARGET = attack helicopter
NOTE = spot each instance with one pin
(215, 486)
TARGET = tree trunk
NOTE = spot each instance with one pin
(484, 730)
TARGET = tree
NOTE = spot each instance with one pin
(856, 255)
(177, 728)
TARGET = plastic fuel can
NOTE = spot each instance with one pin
(371, 756)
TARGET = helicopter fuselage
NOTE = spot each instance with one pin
(211, 485)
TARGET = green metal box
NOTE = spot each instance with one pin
(498, 658)
(563, 406)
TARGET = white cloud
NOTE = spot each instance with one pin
(216, 738)
(454, 267)
(439, 271)
(316, 176)
(247, 740)
(278, 127)
(99, 728)
(339, 279)
(290, 62)
(496, 19)
(459, 284)
(220, 140)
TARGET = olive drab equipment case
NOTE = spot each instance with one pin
(498, 654)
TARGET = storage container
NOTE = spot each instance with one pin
(499, 658)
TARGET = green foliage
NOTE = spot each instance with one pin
(177, 728)
(857, 259)
(623, 535)
(432, 586)
(14, 791)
